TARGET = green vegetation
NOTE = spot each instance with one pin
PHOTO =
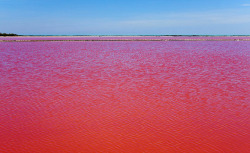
(8, 34)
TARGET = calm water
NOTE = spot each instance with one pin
(124, 97)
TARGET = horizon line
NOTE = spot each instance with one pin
(128, 35)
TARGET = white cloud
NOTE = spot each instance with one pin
(190, 19)
(245, 5)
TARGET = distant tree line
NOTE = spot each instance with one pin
(8, 34)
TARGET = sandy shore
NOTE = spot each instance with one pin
(123, 38)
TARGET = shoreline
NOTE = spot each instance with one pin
(126, 40)
(122, 38)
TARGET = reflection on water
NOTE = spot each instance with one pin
(124, 96)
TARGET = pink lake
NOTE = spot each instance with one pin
(131, 97)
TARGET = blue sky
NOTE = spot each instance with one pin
(130, 17)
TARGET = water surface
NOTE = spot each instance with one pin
(124, 96)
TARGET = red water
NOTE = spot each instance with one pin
(124, 97)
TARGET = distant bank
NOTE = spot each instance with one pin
(7, 34)
(12, 34)
(124, 38)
